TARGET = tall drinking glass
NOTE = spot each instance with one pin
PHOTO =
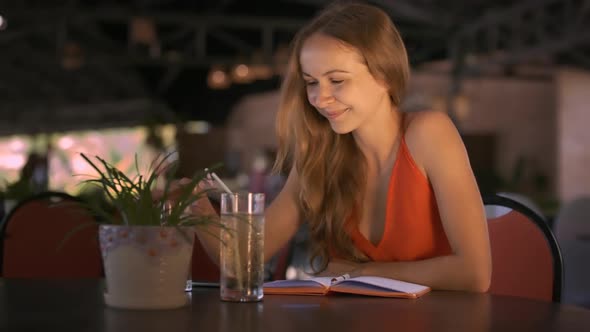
(242, 248)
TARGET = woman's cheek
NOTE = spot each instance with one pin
(310, 97)
(341, 93)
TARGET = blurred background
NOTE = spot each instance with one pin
(117, 78)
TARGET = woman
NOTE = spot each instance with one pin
(384, 193)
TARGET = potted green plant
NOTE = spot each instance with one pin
(146, 245)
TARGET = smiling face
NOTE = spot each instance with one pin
(339, 84)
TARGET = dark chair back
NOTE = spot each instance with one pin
(526, 259)
(50, 235)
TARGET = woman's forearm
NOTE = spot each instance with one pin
(444, 273)
(276, 234)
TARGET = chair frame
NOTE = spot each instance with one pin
(558, 277)
(36, 197)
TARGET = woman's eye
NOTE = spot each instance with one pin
(308, 83)
(337, 81)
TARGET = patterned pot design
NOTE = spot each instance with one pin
(146, 267)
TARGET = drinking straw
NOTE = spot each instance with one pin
(216, 178)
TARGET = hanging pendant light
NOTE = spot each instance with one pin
(218, 79)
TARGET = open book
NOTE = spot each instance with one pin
(373, 286)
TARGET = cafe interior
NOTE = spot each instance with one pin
(197, 84)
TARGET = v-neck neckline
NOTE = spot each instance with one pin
(388, 212)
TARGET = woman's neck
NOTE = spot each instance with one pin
(377, 137)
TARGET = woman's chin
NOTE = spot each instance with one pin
(340, 128)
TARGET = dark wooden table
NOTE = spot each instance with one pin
(77, 305)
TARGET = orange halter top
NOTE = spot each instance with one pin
(413, 228)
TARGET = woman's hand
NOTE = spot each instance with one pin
(203, 205)
(200, 207)
(338, 267)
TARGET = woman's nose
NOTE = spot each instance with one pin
(323, 97)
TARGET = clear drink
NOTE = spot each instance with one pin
(242, 251)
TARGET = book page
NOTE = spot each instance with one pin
(321, 282)
(386, 284)
(314, 286)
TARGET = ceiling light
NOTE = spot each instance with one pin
(217, 79)
(241, 73)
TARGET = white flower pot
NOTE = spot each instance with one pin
(146, 267)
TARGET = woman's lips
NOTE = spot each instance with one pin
(334, 115)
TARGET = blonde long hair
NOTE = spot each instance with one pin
(330, 166)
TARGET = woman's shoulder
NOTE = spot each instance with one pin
(424, 122)
(426, 132)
